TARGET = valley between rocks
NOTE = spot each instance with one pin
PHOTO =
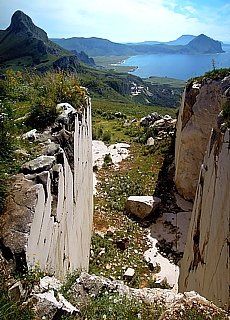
(142, 253)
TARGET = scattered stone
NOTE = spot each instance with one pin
(158, 122)
(150, 141)
(30, 135)
(91, 285)
(42, 163)
(16, 292)
(129, 273)
(50, 283)
(122, 244)
(142, 206)
(51, 149)
(110, 232)
(49, 306)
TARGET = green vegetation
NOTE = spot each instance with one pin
(114, 307)
(215, 74)
(226, 114)
(137, 175)
(29, 101)
(165, 81)
(12, 310)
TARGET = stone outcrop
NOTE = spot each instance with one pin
(205, 265)
(48, 221)
(201, 103)
(158, 122)
(66, 63)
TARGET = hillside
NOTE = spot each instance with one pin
(102, 47)
(94, 46)
(22, 39)
(24, 45)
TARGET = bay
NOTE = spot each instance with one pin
(178, 66)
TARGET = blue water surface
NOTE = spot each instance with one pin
(178, 66)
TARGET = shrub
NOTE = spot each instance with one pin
(43, 113)
(226, 114)
(106, 136)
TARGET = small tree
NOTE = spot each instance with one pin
(43, 113)
(213, 64)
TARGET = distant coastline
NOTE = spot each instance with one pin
(178, 66)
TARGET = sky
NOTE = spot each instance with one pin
(124, 20)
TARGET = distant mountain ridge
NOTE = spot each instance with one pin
(182, 40)
(103, 47)
(28, 46)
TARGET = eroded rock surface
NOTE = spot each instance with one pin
(205, 265)
(48, 221)
(200, 107)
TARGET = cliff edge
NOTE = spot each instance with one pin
(203, 174)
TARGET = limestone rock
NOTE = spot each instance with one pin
(16, 292)
(53, 199)
(49, 307)
(158, 122)
(150, 141)
(198, 113)
(67, 112)
(205, 265)
(93, 286)
(129, 273)
(30, 135)
(42, 163)
(66, 63)
(142, 206)
(50, 283)
(51, 149)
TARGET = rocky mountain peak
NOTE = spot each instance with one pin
(205, 44)
(20, 22)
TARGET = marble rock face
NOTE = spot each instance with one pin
(205, 264)
(200, 106)
(48, 223)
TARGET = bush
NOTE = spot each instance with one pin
(43, 113)
(226, 113)
(106, 136)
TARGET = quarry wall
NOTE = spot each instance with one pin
(203, 174)
(205, 266)
(201, 103)
(49, 215)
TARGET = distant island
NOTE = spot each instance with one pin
(186, 44)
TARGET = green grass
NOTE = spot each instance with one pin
(12, 310)
(173, 83)
(137, 176)
(114, 307)
(113, 63)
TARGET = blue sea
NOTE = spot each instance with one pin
(178, 66)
